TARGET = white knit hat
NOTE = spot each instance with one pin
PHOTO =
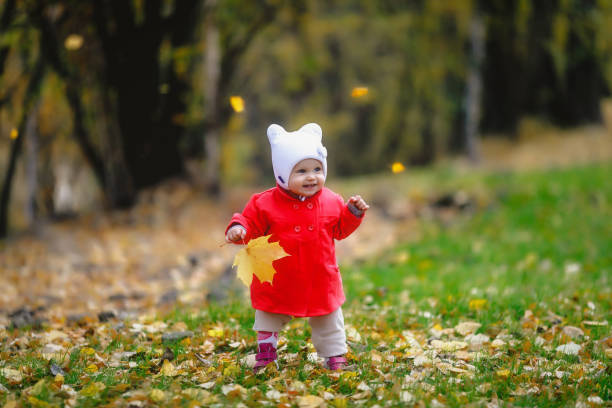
(289, 148)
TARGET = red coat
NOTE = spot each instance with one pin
(308, 282)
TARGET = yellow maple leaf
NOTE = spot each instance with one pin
(256, 259)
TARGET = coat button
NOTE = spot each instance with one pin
(297, 228)
(310, 228)
(296, 207)
(309, 206)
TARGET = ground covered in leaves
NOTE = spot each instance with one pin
(496, 292)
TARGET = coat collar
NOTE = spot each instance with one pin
(286, 194)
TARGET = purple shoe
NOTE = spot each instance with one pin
(265, 356)
(336, 363)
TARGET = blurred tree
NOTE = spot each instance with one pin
(542, 60)
(8, 11)
(408, 56)
(230, 27)
(29, 100)
(148, 82)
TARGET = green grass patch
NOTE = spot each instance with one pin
(530, 258)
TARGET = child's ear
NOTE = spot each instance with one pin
(314, 129)
(275, 132)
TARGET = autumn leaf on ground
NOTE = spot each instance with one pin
(256, 259)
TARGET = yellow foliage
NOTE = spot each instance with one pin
(157, 395)
(397, 167)
(503, 373)
(168, 369)
(73, 42)
(237, 103)
(87, 351)
(256, 259)
(215, 332)
(477, 304)
(93, 389)
(35, 402)
(359, 91)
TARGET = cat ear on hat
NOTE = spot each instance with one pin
(275, 132)
(314, 129)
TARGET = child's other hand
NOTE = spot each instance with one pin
(235, 234)
(359, 203)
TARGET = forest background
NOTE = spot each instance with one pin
(101, 100)
(480, 133)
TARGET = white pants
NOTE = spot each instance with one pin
(328, 334)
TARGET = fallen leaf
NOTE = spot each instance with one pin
(573, 332)
(256, 259)
(53, 335)
(207, 385)
(14, 376)
(504, 373)
(352, 334)
(157, 395)
(168, 369)
(310, 401)
(466, 328)
(233, 390)
(595, 400)
(594, 323)
(570, 348)
(93, 389)
(477, 304)
(498, 343)
(87, 351)
(273, 395)
(249, 361)
(215, 332)
(448, 345)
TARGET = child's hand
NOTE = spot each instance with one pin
(359, 203)
(235, 234)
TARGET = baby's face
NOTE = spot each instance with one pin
(306, 178)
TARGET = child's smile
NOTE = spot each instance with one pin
(306, 178)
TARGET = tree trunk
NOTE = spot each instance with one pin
(474, 87)
(31, 160)
(150, 124)
(212, 64)
(30, 95)
(8, 11)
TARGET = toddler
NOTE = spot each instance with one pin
(306, 218)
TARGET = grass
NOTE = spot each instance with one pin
(530, 259)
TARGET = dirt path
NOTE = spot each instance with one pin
(167, 249)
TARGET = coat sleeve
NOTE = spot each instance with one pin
(347, 223)
(251, 219)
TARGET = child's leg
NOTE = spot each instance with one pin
(270, 322)
(267, 326)
(329, 337)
